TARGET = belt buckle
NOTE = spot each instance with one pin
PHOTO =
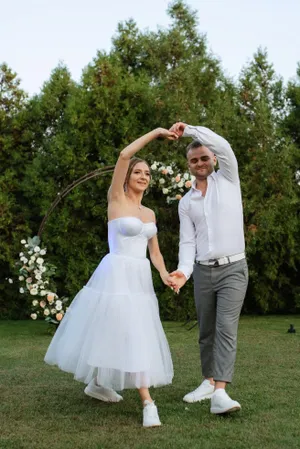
(213, 262)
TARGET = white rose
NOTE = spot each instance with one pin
(10, 281)
(171, 172)
(58, 302)
(33, 291)
(46, 312)
(30, 252)
(31, 262)
(24, 260)
(35, 302)
(26, 246)
(21, 290)
(180, 184)
(21, 254)
(43, 292)
(186, 176)
(38, 276)
(42, 252)
(53, 311)
(165, 191)
(36, 249)
(21, 278)
(32, 258)
(40, 260)
(153, 167)
(34, 316)
(162, 181)
(58, 307)
(23, 242)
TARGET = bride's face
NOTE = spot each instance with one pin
(140, 177)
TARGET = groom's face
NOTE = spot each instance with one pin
(201, 162)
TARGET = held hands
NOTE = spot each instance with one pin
(178, 128)
(173, 133)
(167, 134)
(175, 280)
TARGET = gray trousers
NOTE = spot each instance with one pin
(219, 296)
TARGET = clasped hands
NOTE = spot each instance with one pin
(174, 280)
(174, 132)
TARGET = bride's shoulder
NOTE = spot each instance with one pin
(149, 214)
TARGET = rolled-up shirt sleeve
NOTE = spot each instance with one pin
(187, 243)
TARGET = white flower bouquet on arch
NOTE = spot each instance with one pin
(34, 277)
(170, 181)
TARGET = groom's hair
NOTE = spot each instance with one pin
(193, 145)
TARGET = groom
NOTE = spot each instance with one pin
(212, 248)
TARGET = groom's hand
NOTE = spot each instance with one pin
(178, 128)
(166, 134)
(178, 279)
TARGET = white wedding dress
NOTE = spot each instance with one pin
(112, 329)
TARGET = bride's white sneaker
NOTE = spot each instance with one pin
(204, 391)
(102, 393)
(150, 415)
(222, 403)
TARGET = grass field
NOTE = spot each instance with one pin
(42, 407)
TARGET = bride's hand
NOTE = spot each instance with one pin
(166, 134)
(168, 280)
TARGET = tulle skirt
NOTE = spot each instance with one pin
(112, 329)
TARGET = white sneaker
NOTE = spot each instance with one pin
(102, 393)
(204, 391)
(150, 415)
(222, 403)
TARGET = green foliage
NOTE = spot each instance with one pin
(149, 79)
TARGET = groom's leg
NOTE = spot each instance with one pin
(205, 301)
(231, 284)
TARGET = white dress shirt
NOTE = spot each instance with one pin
(212, 226)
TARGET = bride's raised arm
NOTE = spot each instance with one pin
(116, 191)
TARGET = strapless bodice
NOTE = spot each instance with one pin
(128, 236)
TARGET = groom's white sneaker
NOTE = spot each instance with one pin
(222, 403)
(204, 391)
(102, 393)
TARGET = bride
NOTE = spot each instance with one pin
(111, 337)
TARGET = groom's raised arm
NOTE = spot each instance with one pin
(219, 146)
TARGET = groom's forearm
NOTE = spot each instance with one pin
(187, 242)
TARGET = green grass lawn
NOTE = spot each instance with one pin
(42, 407)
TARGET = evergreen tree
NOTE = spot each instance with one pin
(270, 200)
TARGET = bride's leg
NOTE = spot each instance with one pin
(145, 395)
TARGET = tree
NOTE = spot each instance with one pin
(269, 190)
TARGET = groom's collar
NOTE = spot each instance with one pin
(212, 175)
